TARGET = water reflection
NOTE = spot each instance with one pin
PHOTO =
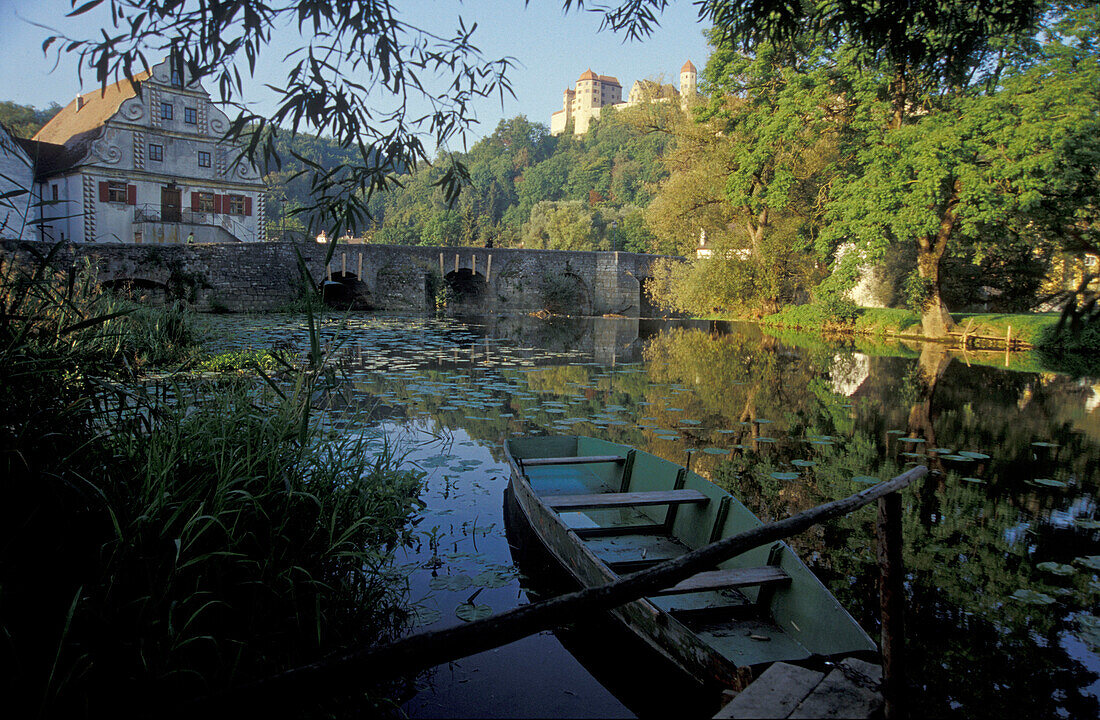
(1001, 540)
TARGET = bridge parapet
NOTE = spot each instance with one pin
(256, 277)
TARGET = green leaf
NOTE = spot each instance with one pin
(470, 612)
(1031, 597)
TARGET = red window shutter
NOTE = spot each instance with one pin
(248, 206)
(103, 191)
(218, 203)
(131, 194)
(194, 201)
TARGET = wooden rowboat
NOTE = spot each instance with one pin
(603, 509)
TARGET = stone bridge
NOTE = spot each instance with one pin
(247, 277)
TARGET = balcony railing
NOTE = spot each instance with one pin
(155, 214)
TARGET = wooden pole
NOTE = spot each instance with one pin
(441, 273)
(892, 604)
(344, 264)
(359, 267)
(1008, 344)
(428, 649)
(456, 262)
(488, 267)
(473, 259)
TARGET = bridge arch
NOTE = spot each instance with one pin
(137, 289)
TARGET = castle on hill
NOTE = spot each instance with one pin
(595, 92)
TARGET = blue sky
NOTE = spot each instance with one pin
(550, 50)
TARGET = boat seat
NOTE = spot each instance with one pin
(572, 460)
(627, 499)
(727, 580)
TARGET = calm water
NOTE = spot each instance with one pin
(1002, 539)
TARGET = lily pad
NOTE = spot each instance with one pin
(765, 439)
(785, 475)
(803, 463)
(1031, 597)
(1049, 482)
(973, 455)
(1089, 626)
(493, 578)
(1060, 569)
(911, 440)
(715, 451)
(957, 458)
(1044, 444)
(451, 582)
(470, 612)
(865, 479)
(976, 481)
(425, 616)
(1092, 562)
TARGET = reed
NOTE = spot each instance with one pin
(164, 540)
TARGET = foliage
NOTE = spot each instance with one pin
(198, 535)
(25, 120)
(244, 361)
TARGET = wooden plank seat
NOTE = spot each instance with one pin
(572, 460)
(627, 499)
(727, 580)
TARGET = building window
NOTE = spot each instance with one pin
(116, 192)
(190, 116)
(54, 192)
(204, 158)
(166, 111)
(176, 81)
(203, 202)
(156, 152)
(236, 204)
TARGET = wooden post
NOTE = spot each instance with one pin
(473, 259)
(1008, 344)
(359, 268)
(488, 267)
(344, 264)
(441, 273)
(892, 604)
(456, 262)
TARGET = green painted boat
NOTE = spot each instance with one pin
(603, 509)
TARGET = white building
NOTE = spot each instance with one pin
(118, 166)
(18, 202)
(595, 92)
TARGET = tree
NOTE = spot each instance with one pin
(1006, 155)
(24, 120)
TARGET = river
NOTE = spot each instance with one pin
(1002, 540)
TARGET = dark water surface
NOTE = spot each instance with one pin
(1002, 539)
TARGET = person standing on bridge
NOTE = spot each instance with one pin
(191, 238)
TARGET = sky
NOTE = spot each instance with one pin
(550, 50)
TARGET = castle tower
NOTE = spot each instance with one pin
(688, 77)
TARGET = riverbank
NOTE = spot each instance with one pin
(1016, 331)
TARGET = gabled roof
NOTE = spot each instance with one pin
(50, 158)
(88, 111)
(609, 80)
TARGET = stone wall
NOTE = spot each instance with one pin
(250, 277)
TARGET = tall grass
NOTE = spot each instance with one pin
(162, 542)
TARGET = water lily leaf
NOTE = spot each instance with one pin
(942, 451)
(785, 475)
(470, 612)
(425, 616)
(976, 481)
(685, 421)
(715, 451)
(1059, 569)
(803, 463)
(974, 455)
(451, 582)
(1092, 562)
(765, 439)
(1031, 597)
(1044, 444)
(957, 458)
(1089, 627)
(912, 440)
(493, 578)
(762, 421)
(865, 479)
(1049, 482)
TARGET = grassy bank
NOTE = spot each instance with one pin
(1037, 330)
(166, 541)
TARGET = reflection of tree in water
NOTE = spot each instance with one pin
(971, 645)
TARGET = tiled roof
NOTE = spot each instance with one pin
(609, 80)
(50, 158)
(588, 75)
(688, 67)
(88, 111)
